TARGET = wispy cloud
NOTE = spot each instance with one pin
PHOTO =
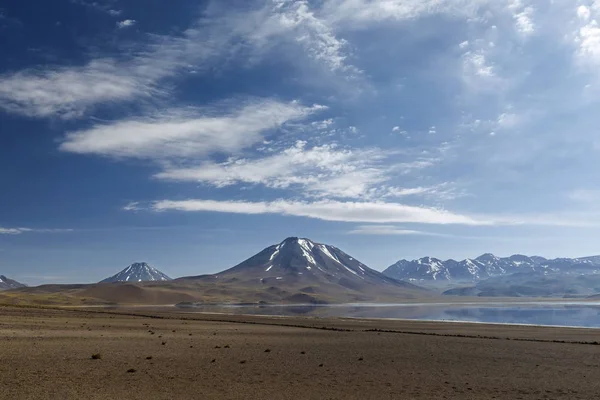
(366, 11)
(389, 230)
(186, 132)
(325, 171)
(370, 212)
(107, 7)
(68, 91)
(18, 231)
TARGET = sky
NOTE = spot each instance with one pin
(193, 134)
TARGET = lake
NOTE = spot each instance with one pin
(576, 314)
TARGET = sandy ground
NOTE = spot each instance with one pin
(46, 354)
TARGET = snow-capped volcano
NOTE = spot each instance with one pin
(6, 283)
(302, 260)
(138, 272)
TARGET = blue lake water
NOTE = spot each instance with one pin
(582, 314)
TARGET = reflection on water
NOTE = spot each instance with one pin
(557, 314)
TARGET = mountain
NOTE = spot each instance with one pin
(138, 272)
(306, 271)
(6, 283)
(430, 269)
(302, 260)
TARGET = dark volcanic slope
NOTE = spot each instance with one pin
(302, 261)
(138, 272)
(6, 283)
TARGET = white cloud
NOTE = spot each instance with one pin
(583, 12)
(522, 16)
(11, 231)
(125, 23)
(443, 191)
(18, 231)
(507, 120)
(322, 125)
(388, 230)
(132, 206)
(370, 212)
(373, 212)
(588, 41)
(396, 129)
(186, 133)
(477, 64)
(324, 171)
(291, 22)
(362, 11)
(317, 36)
(523, 21)
(67, 91)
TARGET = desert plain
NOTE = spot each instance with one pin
(52, 353)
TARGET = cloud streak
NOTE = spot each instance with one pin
(371, 212)
(388, 230)
(186, 133)
(19, 231)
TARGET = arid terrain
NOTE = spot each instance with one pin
(47, 354)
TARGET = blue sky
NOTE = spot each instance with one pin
(193, 134)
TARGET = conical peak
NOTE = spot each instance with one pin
(294, 239)
(139, 264)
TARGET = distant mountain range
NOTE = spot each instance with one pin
(6, 283)
(301, 271)
(138, 272)
(430, 269)
(294, 271)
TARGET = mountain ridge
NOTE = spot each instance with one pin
(485, 266)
